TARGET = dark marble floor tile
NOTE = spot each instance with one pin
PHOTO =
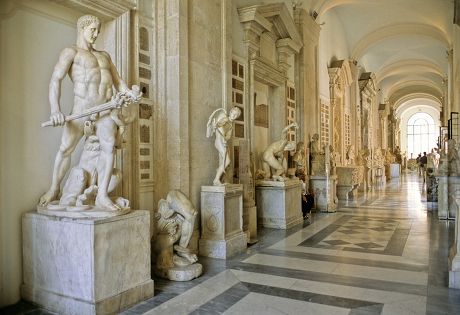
(21, 307)
(309, 296)
(336, 279)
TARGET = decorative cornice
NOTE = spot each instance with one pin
(367, 84)
(267, 73)
(104, 9)
(276, 21)
(339, 78)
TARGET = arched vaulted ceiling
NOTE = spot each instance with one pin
(404, 42)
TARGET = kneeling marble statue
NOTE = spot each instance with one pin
(174, 224)
(273, 155)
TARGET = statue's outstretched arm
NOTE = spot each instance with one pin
(286, 129)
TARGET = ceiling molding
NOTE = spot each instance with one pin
(323, 6)
(104, 9)
(408, 66)
(404, 91)
(397, 30)
(414, 100)
(405, 84)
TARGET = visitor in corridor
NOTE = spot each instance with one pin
(423, 163)
(308, 199)
(417, 160)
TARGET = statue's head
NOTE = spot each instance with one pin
(88, 26)
(234, 113)
(300, 146)
(315, 137)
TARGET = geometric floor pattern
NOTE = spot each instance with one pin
(363, 234)
(384, 253)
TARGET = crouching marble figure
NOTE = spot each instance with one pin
(97, 114)
(273, 156)
(174, 228)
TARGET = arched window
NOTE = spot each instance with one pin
(421, 134)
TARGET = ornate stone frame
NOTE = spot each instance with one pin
(276, 20)
(340, 77)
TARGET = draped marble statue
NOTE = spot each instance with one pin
(300, 159)
(100, 116)
(350, 155)
(318, 157)
(221, 124)
(174, 224)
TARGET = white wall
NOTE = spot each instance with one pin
(30, 44)
(332, 46)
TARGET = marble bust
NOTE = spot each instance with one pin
(100, 116)
(174, 224)
(220, 123)
(273, 155)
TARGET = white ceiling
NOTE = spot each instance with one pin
(404, 42)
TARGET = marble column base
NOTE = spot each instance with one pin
(279, 204)
(86, 266)
(222, 221)
(325, 192)
(252, 225)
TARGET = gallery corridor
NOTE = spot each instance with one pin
(383, 254)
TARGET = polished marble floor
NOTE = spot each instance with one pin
(385, 253)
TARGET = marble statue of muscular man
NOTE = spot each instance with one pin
(93, 75)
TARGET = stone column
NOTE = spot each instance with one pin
(306, 74)
(456, 69)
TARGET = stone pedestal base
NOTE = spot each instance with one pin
(454, 268)
(453, 183)
(395, 170)
(443, 197)
(86, 266)
(222, 221)
(279, 204)
(344, 191)
(325, 192)
(431, 188)
(185, 273)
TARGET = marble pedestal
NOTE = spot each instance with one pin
(222, 221)
(279, 204)
(443, 197)
(252, 224)
(395, 170)
(86, 266)
(453, 183)
(325, 192)
(431, 188)
(348, 179)
(454, 252)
